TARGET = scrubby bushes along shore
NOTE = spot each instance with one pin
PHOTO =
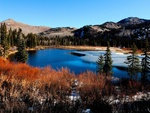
(28, 89)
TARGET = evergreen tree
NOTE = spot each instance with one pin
(145, 63)
(133, 63)
(1, 49)
(0, 35)
(14, 35)
(31, 40)
(10, 38)
(107, 68)
(100, 64)
(4, 40)
(3, 32)
(21, 55)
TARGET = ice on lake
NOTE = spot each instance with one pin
(92, 56)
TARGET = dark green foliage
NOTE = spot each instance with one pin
(10, 38)
(104, 62)
(14, 40)
(31, 40)
(108, 61)
(4, 39)
(21, 55)
(3, 33)
(100, 64)
(145, 71)
(133, 63)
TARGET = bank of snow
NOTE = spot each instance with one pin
(92, 56)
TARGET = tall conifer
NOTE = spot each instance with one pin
(100, 64)
(108, 61)
(145, 63)
(21, 55)
(10, 38)
(4, 40)
(133, 63)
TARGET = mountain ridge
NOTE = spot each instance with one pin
(124, 27)
(132, 21)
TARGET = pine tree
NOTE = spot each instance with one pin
(1, 51)
(100, 64)
(0, 34)
(10, 38)
(3, 32)
(14, 35)
(21, 55)
(107, 68)
(31, 40)
(145, 63)
(133, 63)
(4, 40)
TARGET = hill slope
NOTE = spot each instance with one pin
(25, 28)
(59, 32)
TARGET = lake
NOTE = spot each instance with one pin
(57, 58)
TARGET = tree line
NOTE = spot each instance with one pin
(100, 39)
(15, 38)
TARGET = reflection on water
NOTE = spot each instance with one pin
(57, 58)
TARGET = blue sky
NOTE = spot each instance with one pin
(72, 13)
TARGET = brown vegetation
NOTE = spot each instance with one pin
(24, 88)
(28, 89)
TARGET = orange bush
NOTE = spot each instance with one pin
(47, 75)
(18, 71)
(57, 82)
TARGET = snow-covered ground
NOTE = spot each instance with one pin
(92, 56)
(139, 96)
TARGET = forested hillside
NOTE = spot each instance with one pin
(121, 34)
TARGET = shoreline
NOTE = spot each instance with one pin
(100, 48)
(78, 48)
(95, 48)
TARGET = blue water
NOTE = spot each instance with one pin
(58, 58)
